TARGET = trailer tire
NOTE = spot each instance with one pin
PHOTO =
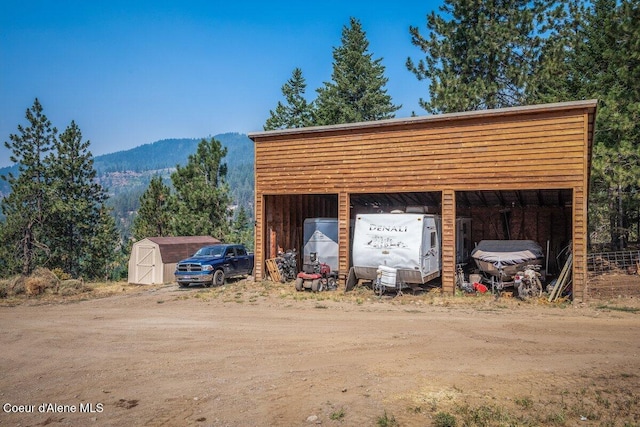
(316, 285)
(299, 283)
(352, 280)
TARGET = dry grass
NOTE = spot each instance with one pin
(44, 287)
(252, 292)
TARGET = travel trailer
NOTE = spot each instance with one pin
(407, 242)
(321, 237)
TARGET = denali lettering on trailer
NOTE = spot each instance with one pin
(390, 228)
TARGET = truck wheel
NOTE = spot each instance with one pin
(299, 283)
(331, 284)
(218, 278)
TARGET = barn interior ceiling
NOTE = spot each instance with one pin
(484, 198)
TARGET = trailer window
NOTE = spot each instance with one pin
(433, 239)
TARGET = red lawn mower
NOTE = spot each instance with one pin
(316, 276)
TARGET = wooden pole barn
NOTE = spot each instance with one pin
(518, 173)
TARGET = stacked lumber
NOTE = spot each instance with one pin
(564, 280)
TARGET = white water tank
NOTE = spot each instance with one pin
(388, 276)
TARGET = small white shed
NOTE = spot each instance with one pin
(153, 260)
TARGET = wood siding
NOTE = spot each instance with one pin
(545, 152)
(543, 147)
(284, 219)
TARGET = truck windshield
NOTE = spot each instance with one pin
(212, 251)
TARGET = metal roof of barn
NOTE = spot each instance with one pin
(590, 104)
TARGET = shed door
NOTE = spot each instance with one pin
(145, 265)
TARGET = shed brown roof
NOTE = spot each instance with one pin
(173, 249)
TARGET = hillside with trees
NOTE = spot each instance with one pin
(126, 175)
(111, 185)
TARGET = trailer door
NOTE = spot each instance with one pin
(431, 247)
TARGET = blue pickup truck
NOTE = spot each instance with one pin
(212, 265)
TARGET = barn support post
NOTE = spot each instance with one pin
(579, 244)
(259, 238)
(580, 209)
(344, 219)
(448, 241)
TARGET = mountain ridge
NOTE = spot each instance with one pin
(125, 174)
(136, 166)
(167, 153)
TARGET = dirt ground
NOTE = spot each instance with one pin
(261, 354)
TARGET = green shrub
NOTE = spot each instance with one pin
(338, 415)
(444, 419)
(386, 421)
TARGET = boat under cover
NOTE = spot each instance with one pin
(508, 256)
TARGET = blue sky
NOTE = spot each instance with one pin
(133, 72)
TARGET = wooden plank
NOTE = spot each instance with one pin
(276, 158)
(361, 185)
(466, 160)
(272, 269)
(465, 139)
(426, 141)
(530, 147)
(563, 279)
(414, 157)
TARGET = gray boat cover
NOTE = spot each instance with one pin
(507, 252)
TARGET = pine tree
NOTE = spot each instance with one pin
(357, 91)
(297, 112)
(27, 206)
(478, 55)
(101, 258)
(609, 63)
(201, 193)
(242, 229)
(76, 202)
(595, 53)
(554, 78)
(154, 215)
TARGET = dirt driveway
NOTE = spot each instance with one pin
(254, 355)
